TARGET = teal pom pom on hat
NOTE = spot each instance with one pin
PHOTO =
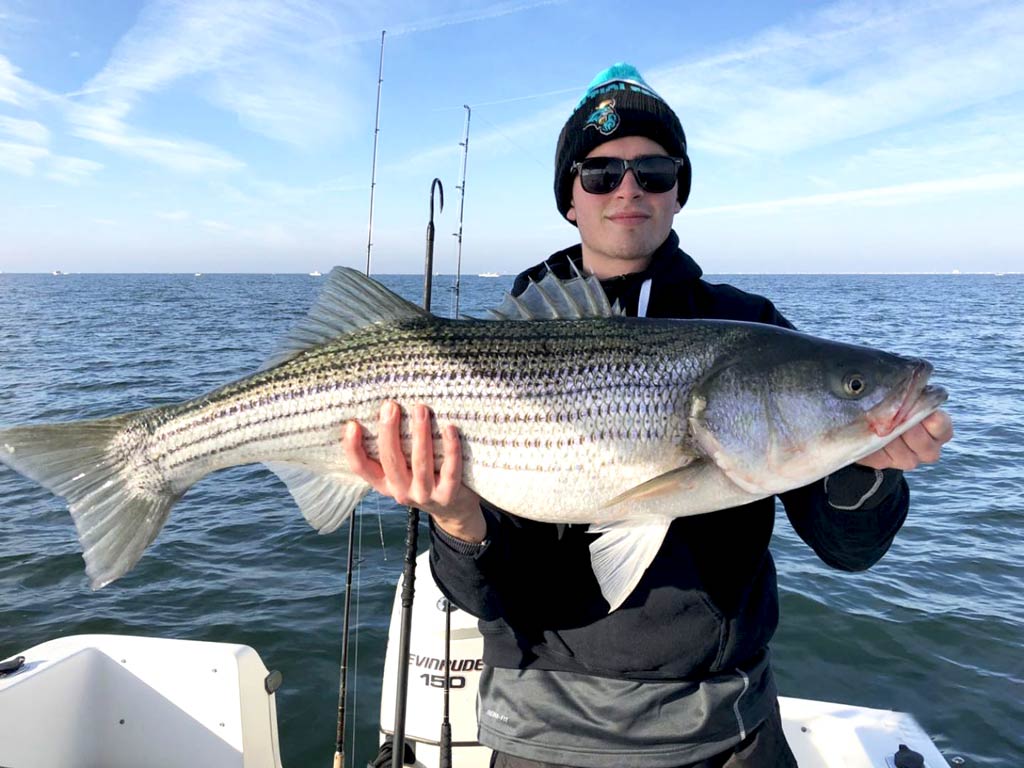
(617, 103)
(621, 72)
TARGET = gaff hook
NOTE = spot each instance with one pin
(436, 183)
(428, 269)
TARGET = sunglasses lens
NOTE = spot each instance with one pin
(655, 174)
(600, 175)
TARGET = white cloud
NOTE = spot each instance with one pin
(981, 141)
(173, 215)
(29, 152)
(519, 136)
(284, 194)
(24, 130)
(849, 71)
(14, 25)
(71, 170)
(302, 110)
(103, 126)
(21, 158)
(465, 17)
(15, 89)
(899, 194)
(254, 58)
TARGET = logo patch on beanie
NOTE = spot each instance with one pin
(605, 119)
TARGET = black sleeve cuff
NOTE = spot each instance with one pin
(469, 548)
(859, 487)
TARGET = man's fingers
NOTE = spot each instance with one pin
(368, 469)
(920, 441)
(449, 479)
(413, 481)
(940, 426)
(421, 486)
(902, 456)
(923, 442)
(896, 455)
(389, 443)
(877, 460)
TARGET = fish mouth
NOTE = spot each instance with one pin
(909, 404)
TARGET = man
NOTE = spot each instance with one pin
(679, 675)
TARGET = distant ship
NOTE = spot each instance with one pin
(315, 273)
(488, 274)
(57, 272)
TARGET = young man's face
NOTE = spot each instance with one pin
(620, 230)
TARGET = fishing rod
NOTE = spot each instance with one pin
(339, 744)
(462, 201)
(376, 133)
(445, 758)
(412, 542)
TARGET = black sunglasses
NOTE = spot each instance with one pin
(601, 175)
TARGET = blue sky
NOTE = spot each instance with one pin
(237, 135)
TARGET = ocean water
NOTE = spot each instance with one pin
(936, 628)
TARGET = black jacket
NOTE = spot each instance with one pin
(709, 601)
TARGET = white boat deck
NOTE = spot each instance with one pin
(121, 702)
(92, 701)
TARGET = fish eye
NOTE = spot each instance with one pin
(854, 384)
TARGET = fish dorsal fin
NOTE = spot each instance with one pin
(552, 298)
(349, 301)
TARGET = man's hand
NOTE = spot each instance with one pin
(412, 481)
(921, 444)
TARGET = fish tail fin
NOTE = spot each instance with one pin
(118, 504)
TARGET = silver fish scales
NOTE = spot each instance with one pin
(576, 416)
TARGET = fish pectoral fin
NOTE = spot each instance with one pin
(679, 479)
(623, 552)
(325, 498)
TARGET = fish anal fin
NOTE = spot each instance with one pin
(325, 498)
(622, 553)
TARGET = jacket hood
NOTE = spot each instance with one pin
(669, 263)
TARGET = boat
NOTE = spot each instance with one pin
(57, 273)
(120, 701)
(489, 274)
(315, 273)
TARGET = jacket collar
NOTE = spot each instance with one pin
(668, 263)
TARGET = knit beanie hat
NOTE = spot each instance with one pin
(618, 103)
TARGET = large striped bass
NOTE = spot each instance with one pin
(579, 416)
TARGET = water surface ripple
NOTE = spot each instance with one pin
(936, 628)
